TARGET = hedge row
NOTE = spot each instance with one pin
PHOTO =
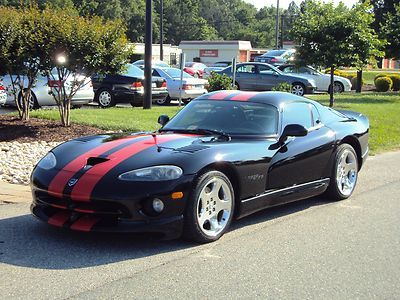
(385, 82)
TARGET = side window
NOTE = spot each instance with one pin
(155, 73)
(315, 115)
(265, 70)
(289, 70)
(304, 70)
(297, 113)
(246, 69)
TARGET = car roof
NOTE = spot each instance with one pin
(276, 99)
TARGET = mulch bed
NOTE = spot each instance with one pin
(12, 129)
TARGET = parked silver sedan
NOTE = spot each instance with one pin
(41, 92)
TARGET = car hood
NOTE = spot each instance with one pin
(103, 153)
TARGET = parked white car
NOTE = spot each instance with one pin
(191, 87)
(41, 95)
(3, 94)
(322, 81)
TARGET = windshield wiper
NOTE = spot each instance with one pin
(201, 131)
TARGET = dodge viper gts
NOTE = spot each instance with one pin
(226, 155)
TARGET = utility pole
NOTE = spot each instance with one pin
(148, 56)
(277, 26)
(161, 29)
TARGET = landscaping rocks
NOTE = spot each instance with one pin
(17, 159)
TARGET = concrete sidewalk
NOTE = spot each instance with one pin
(14, 193)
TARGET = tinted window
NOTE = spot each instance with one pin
(297, 113)
(265, 70)
(155, 73)
(274, 53)
(232, 117)
(133, 71)
(246, 69)
(176, 73)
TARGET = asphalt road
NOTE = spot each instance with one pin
(311, 249)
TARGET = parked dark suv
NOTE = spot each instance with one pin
(126, 87)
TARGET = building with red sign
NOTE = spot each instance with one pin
(209, 52)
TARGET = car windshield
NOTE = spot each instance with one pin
(132, 71)
(274, 53)
(175, 73)
(228, 117)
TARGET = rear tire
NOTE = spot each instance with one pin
(344, 174)
(237, 86)
(210, 208)
(105, 98)
(33, 104)
(163, 101)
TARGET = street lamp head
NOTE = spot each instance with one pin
(61, 59)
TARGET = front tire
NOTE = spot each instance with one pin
(105, 98)
(210, 208)
(298, 89)
(344, 174)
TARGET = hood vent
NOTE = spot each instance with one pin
(92, 161)
(192, 148)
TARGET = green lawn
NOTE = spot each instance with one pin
(116, 118)
(383, 112)
(369, 75)
(382, 109)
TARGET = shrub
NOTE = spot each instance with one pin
(217, 82)
(396, 81)
(379, 76)
(283, 87)
(383, 84)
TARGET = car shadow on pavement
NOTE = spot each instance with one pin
(27, 242)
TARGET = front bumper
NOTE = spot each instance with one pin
(170, 227)
(117, 211)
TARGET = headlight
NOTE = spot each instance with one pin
(48, 162)
(156, 173)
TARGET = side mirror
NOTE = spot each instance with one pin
(275, 74)
(292, 130)
(163, 119)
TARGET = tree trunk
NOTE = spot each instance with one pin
(359, 81)
(331, 100)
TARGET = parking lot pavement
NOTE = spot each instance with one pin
(310, 249)
(6, 110)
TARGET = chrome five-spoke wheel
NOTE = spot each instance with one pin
(210, 208)
(346, 173)
(214, 206)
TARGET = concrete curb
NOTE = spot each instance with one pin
(14, 193)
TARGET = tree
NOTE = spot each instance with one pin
(80, 46)
(391, 31)
(329, 36)
(23, 52)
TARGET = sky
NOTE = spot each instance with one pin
(285, 3)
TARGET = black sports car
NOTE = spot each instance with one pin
(126, 87)
(225, 155)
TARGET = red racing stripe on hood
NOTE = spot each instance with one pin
(243, 96)
(57, 185)
(84, 187)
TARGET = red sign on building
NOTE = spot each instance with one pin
(208, 53)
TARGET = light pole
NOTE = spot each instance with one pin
(148, 56)
(161, 29)
(277, 25)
